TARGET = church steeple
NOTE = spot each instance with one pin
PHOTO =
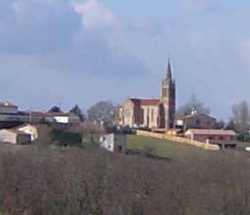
(168, 99)
(169, 71)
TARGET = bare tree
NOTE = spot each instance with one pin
(78, 112)
(102, 112)
(240, 116)
(194, 104)
(91, 133)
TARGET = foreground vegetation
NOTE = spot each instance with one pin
(39, 180)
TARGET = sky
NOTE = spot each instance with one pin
(67, 52)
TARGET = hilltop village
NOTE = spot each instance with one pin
(141, 157)
(147, 117)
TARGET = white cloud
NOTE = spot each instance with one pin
(95, 14)
(202, 4)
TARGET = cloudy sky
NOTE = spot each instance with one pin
(82, 51)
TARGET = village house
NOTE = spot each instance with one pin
(8, 107)
(22, 135)
(210, 135)
(53, 117)
(10, 116)
(196, 120)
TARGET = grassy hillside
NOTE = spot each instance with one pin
(164, 148)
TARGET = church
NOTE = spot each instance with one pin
(151, 113)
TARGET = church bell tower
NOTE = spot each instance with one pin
(168, 100)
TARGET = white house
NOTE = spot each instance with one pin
(57, 117)
(114, 142)
(29, 129)
(61, 118)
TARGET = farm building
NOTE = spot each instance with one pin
(207, 135)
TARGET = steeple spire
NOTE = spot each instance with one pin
(169, 71)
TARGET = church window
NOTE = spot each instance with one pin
(152, 115)
(164, 92)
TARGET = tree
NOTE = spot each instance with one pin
(78, 112)
(91, 133)
(221, 124)
(194, 104)
(55, 109)
(241, 114)
(102, 112)
(230, 125)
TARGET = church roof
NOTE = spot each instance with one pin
(146, 102)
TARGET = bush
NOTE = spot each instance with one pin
(244, 137)
(66, 138)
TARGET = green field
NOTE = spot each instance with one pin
(164, 148)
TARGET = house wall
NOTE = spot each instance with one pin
(23, 139)
(204, 138)
(8, 109)
(61, 119)
(120, 143)
(114, 142)
(107, 142)
(8, 136)
(200, 122)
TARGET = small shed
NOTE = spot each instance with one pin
(114, 142)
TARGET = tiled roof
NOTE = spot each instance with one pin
(46, 114)
(196, 115)
(54, 114)
(7, 104)
(211, 132)
(147, 102)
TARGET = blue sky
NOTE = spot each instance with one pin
(82, 51)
